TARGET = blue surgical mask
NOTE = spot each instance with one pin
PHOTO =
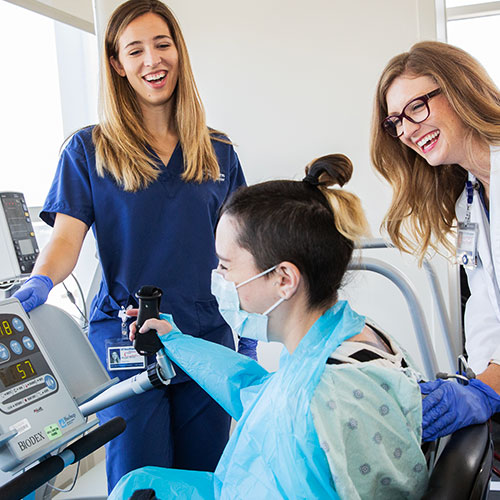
(245, 324)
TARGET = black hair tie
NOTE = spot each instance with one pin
(311, 179)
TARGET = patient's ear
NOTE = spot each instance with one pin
(117, 65)
(288, 277)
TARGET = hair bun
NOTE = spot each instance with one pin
(329, 170)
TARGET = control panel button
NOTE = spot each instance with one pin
(16, 347)
(28, 343)
(18, 324)
(50, 382)
(4, 354)
(6, 394)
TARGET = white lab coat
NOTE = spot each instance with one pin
(482, 313)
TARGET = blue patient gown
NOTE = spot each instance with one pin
(274, 451)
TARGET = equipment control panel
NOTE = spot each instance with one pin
(25, 376)
(36, 410)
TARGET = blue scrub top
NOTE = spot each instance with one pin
(162, 235)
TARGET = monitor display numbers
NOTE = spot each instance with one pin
(5, 328)
(16, 373)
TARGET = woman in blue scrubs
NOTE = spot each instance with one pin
(149, 180)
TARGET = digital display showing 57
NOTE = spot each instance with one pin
(19, 372)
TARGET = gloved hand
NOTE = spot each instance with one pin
(248, 347)
(34, 291)
(449, 406)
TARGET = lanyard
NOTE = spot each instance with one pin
(467, 233)
(469, 188)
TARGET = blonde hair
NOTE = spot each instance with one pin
(422, 211)
(336, 169)
(121, 140)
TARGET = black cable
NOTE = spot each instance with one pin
(82, 296)
(72, 299)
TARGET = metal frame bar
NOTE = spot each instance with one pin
(443, 317)
(437, 295)
(418, 318)
(45, 9)
(417, 314)
(471, 11)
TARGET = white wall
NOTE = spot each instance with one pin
(289, 81)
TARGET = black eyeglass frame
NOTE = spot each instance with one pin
(424, 98)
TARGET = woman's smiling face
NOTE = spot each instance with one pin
(148, 58)
(440, 139)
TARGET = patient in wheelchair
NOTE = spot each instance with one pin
(341, 418)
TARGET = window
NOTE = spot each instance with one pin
(474, 26)
(39, 109)
(49, 90)
(31, 125)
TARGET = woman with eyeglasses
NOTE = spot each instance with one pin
(436, 140)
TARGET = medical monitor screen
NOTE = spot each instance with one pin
(19, 372)
(26, 247)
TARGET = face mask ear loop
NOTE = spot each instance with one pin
(274, 306)
(258, 276)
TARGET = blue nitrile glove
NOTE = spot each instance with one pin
(34, 291)
(449, 406)
(248, 347)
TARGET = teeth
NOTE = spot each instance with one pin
(427, 138)
(155, 77)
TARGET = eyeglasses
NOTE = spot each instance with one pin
(415, 111)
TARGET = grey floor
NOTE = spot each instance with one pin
(494, 490)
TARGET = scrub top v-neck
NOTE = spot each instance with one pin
(162, 235)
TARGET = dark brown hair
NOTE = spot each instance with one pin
(303, 222)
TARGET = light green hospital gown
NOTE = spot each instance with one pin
(368, 418)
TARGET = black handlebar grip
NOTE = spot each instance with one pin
(32, 479)
(97, 438)
(149, 307)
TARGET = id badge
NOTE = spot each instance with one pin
(467, 244)
(121, 355)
